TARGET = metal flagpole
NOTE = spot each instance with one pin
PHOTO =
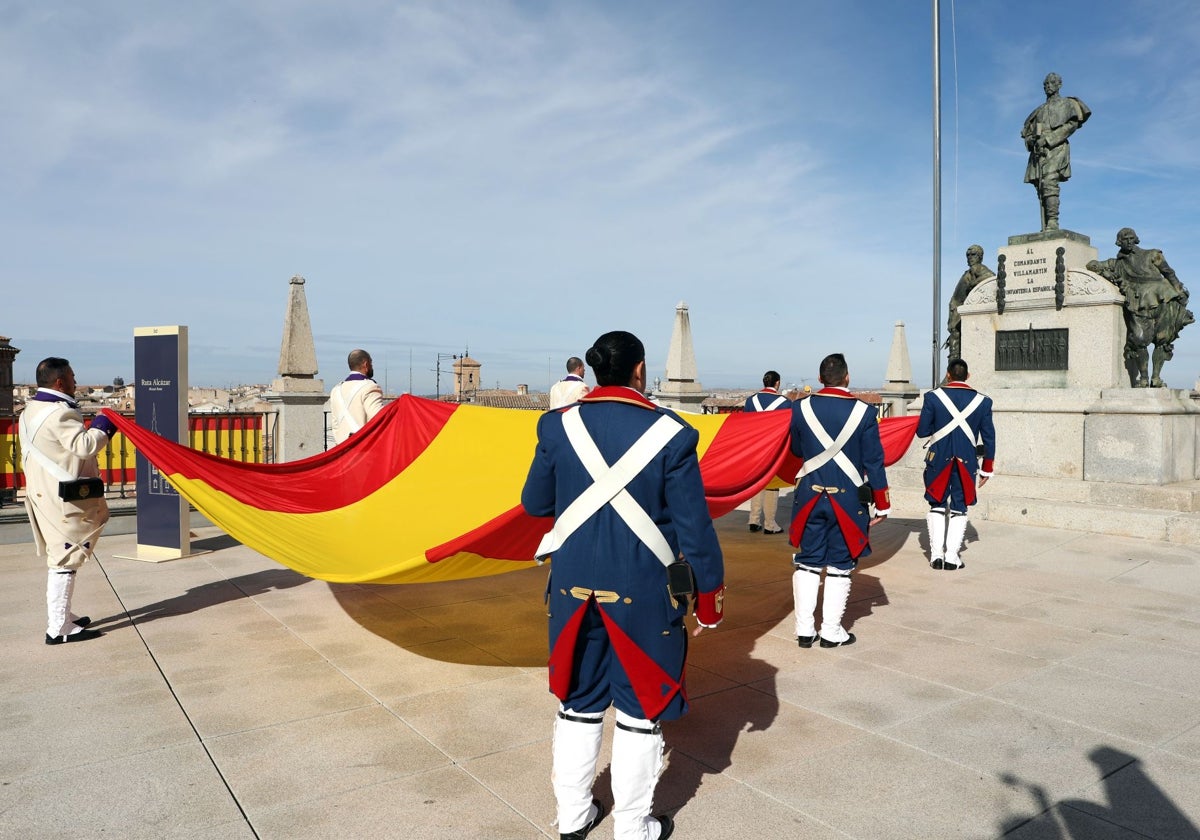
(937, 192)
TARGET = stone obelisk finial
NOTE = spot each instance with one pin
(898, 388)
(681, 390)
(297, 353)
(298, 396)
(899, 366)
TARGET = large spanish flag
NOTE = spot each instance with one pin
(431, 491)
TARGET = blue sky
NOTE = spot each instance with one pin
(518, 177)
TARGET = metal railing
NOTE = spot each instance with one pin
(240, 436)
(243, 436)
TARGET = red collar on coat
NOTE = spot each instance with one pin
(617, 393)
(962, 385)
(834, 391)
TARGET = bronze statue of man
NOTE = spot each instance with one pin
(1045, 133)
(1155, 306)
(975, 274)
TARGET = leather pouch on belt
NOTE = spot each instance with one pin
(80, 489)
(680, 582)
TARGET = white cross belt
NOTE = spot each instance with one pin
(609, 483)
(758, 406)
(833, 447)
(958, 419)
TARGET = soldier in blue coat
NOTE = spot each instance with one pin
(622, 479)
(842, 475)
(765, 504)
(957, 419)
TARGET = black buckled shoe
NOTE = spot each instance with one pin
(937, 563)
(81, 636)
(950, 567)
(805, 641)
(581, 833)
(754, 529)
(825, 643)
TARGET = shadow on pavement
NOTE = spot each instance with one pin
(215, 543)
(207, 595)
(1135, 803)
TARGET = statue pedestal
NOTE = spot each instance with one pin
(1064, 408)
(1122, 462)
(1144, 436)
(1132, 436)
(1033, 343)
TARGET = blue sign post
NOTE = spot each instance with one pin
(160, 363)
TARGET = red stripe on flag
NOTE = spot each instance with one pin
(513, 535)
(342, 476)
(743, 457)
(896, 433)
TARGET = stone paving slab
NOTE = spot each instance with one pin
(1049, 691)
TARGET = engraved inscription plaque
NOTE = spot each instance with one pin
(1031, 349)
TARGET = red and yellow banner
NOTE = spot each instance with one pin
(431, 491)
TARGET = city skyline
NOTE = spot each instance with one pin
(245, 389)
(518, 177)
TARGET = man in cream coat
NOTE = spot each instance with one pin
(571, 389)
(55, 447)
(356, 399)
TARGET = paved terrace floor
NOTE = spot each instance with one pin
(1049, 690)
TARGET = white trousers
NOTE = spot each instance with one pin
(576, 747)
(806, 583)
(637, 761)
(956, 532)
(60, 585)
(833, 605)
(935, 521)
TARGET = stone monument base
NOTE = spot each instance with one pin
(1118, 461)
(1138, 436)
(1170, 512)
